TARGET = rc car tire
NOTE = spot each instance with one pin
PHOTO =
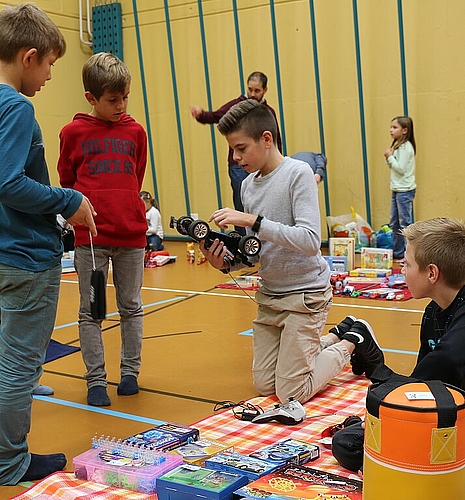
(250, 245)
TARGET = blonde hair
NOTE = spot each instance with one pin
(26, 26)
(105, 71)
(439, 241)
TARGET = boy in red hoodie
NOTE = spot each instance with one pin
(103, 155)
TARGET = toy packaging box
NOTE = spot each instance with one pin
(337, 264)
(298, 482)
(376, 258)
(343, 247)
(190, 482)
(135, 471)
(198, 451)
(164, 437)
(185, 433)
(155, 439)
(236, 463)
(288, 451)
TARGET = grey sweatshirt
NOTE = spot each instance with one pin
(290, 232)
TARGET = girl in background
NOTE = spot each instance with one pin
(400, 158)
(155, 229)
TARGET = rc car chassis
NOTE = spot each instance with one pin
(238, 247)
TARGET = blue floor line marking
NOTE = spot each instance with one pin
(110, 413)
(74, 323)
(400, 351)
(247, 332)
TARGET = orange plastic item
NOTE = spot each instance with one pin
(413, 450)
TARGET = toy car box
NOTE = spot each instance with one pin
(164, 436)
(297, 482)
(191, 482)
(155, 439)
(185, 433)
(114, 469)
(198, 451)
(288, 451)
(236, 463)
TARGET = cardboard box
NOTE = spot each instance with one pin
(288, 451)
(236, 463)
(376, 258)
(343, 247)
(164, 437)
(191, 482)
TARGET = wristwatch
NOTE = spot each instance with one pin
(257, 223)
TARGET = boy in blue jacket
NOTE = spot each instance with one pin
(30, 238)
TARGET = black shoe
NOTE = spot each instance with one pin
(367, 354)
(97, 396)
(343, 327)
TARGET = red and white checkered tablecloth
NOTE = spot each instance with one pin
(344, 396)
(63, 485)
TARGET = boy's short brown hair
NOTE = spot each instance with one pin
(105, 71)
(251, 117)
(26, 26)
(439, 241)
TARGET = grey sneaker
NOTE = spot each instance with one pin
(367, 354)
(343, 327)
(42, 390)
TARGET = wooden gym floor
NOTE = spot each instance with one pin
(197, 350)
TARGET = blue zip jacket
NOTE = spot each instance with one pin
(30, 237)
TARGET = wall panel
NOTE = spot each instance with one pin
(435, 83)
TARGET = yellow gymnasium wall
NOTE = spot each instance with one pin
(372, 60)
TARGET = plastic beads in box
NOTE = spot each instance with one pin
(116, 463)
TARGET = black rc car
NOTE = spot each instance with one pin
(238, 247)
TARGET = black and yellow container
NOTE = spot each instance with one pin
(414, 441)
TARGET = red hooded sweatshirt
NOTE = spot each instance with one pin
(106, 162)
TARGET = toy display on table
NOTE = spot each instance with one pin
(189, 482)
(123, 465)
(301, 483)
(237, 463)
(242, 283)
(158, 258)
(370, 284)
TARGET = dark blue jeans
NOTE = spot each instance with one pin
(401, 217)
(154, 242)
